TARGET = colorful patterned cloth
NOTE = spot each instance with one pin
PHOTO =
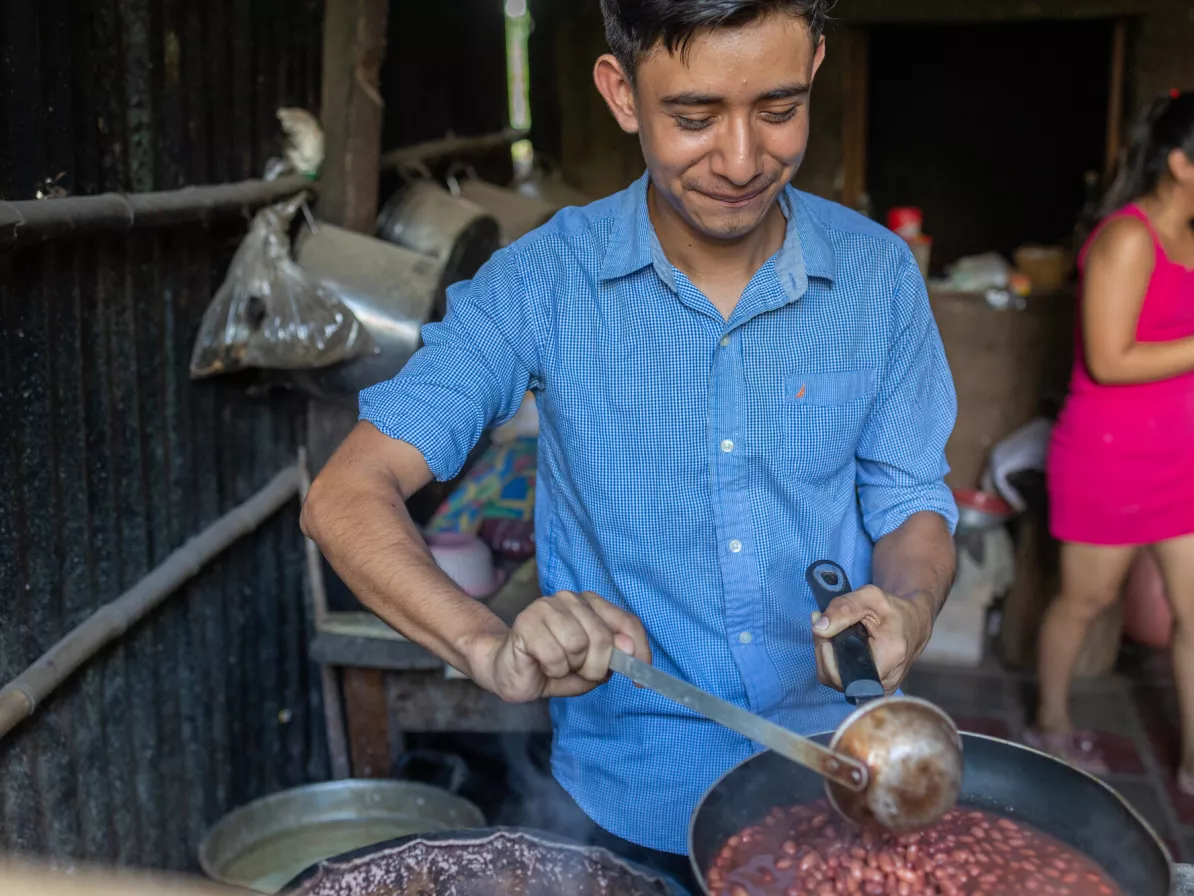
(500, 486)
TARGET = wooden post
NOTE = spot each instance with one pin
(1115, 102)
(354, 43)
(368, 722)
(856, 88)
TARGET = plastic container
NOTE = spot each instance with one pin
(907, 221)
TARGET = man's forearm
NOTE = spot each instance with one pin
(917, 561)
(370, 540)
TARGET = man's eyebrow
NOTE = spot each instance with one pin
(692, 98)
(786, 92)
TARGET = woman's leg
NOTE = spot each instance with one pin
(1092, 577)
(1176, 559)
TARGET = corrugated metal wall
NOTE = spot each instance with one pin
(110, 457)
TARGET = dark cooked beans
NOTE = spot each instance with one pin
(808, 851)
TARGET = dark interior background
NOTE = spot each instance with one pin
(994, 152)
(444, 70)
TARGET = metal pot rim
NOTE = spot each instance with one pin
(475, 837)
(208, 858)
(699, 873)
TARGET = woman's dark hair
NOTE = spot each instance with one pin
(1166, 124)
(634, 27)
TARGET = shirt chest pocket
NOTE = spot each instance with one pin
(824, 415)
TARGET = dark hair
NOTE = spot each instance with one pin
(1166, 124)
(634, 27)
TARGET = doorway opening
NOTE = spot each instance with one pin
(999, 132)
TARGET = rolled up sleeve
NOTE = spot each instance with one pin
(901, 455)
(472, 371)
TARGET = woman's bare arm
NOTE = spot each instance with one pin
(1118, 270)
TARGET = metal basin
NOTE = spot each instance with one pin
(266, 843)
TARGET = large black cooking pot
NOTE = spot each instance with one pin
(1010, 780)
(499, 861)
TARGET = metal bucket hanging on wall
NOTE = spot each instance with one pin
(424, 217)
(392, 291)
(546, 182)
(517, 214)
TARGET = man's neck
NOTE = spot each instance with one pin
(720, 269)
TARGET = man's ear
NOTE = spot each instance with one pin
(818, 56)
(618, 92)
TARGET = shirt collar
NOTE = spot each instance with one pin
(806, 251)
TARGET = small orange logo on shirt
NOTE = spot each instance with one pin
(800, 394)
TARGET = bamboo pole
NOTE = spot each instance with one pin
(20, 698)
(36, 220)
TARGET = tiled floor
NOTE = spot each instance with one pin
(1134, 714)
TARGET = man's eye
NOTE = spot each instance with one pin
(781, 116)
(692, 124)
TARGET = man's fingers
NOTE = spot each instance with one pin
(629, 635)
(827, 671)
(867, 605)
(561, 620)
(538, 642)
(571, 685)
(600, 637)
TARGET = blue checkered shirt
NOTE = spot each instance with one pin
(691, 468)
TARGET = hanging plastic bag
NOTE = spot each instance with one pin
(269, 314)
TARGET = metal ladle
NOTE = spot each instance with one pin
(895, 761)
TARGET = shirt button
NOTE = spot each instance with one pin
(725, 341)
(727, 446)
(735, 546)
(746, 637)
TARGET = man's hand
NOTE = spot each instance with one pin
(559, 646)
(899, 628)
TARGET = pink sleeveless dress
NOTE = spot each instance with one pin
(1121, 459)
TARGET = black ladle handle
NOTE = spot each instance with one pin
(852, 648)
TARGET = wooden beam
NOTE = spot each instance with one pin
(354, 44)
(856, 89)
(1115, 102)
(431, 150)
(35, 220)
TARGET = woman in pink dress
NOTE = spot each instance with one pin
(1121, 461)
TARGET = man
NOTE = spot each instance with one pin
(734, 380)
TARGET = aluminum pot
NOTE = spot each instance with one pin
(391, 290)
(265, 843)
(424, 217)
(516, 213)
(482, 862)
(546, 182)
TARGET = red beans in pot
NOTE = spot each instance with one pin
(808, 850)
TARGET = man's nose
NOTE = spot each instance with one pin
(738, 153)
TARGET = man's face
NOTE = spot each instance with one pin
(723, 128)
